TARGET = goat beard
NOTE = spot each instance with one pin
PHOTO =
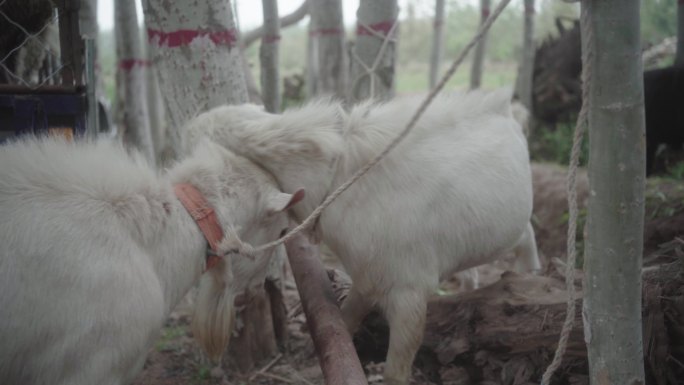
(212, 322)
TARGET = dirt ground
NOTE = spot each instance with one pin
(175, 359)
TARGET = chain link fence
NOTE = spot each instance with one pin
(29, 43)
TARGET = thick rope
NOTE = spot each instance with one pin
(580, 127)
(248, 250)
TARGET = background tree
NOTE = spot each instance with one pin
(195, 48)
(131, 102)
(614, 241)
(478, 54)
(200, 67)
(327, 67)
(526, 69)
(373, 55)
(155, 107)
(437, 42)
(268, 57)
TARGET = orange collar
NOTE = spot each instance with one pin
(204, 215)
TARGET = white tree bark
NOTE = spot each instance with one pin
(525, 71)
(614, 241)
(480, 48)
(374, 53)
(132, 111)
(268, 55)
(327, 71)
(437, 42)
(194, 45)
(679, 58)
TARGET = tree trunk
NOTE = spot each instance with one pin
(327, 71)
(374, 53)
(155, 108)
(527, 58)
(437, 42)
(253, 92)
(614, 242)
(199, 64)
(132, 112)
(268, 55)
(478, 55)
(200, 67)
(679, 57)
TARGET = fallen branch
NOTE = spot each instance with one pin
(334, 347)
(265, 368)
(251, 36)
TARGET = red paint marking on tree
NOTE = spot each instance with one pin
(183, 37)
(485, 13)
(383, 27)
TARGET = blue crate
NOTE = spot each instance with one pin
(39, 114)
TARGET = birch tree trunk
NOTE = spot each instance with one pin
(327, 71)
(679, 58)
(131, 103)
(525, 72)
(200, 67)
(194, 45)
(374, 53)
(478, 55)
(268, 55)
(437, 42)
(614, 241)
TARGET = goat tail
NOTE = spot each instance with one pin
(212, 323)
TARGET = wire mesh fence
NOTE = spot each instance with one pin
(29, 43)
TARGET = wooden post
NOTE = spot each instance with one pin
(336, 353)
(615, 216)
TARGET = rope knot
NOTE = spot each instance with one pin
(231, 244)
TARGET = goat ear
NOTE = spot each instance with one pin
(284, 201)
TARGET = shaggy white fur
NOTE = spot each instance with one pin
(95, 250)
(456, 193)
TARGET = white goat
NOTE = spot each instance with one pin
(95, 251)
(456, 193)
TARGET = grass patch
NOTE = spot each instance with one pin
(167, 339)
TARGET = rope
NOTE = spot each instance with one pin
(245, 249)
(580, 127)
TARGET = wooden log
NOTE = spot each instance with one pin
(334, 347)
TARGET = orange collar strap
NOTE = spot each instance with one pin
(204, 215)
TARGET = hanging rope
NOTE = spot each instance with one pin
(580, 128)
(243, 248)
